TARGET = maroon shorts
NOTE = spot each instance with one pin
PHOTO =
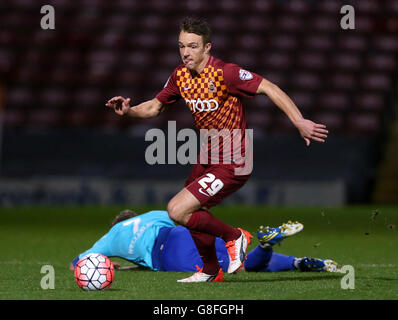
(210, 184)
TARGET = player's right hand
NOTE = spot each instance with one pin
(119, 104)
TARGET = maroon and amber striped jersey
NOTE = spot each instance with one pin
(214, 98)
(214, 95)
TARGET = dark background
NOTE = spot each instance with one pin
(55, 84)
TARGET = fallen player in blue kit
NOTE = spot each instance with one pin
(152, 240)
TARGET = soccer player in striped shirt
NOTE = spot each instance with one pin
(213, 91)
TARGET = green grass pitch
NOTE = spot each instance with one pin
(362, 236)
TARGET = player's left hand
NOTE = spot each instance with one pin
(311, 131)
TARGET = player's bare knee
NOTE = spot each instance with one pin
(174, 210)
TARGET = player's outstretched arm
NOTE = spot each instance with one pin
(148, 109)
(308, 130)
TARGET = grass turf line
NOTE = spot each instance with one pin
(31, 237)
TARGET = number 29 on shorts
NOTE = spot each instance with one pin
(216, 184)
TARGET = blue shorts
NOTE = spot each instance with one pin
(175, 250)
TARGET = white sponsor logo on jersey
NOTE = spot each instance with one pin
(199, 105)
(245, 75)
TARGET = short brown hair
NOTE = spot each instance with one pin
(198, 26)
(123, 215)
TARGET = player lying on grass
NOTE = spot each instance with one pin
(152, 240)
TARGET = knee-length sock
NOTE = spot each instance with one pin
(204, 221)
(205, 243)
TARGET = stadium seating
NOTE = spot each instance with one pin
(62, 78)
(130, 47)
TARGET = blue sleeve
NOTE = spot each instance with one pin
(101, 246)
(75, 261)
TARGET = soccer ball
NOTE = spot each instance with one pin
(94, 272)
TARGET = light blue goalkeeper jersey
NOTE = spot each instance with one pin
(133, 239)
